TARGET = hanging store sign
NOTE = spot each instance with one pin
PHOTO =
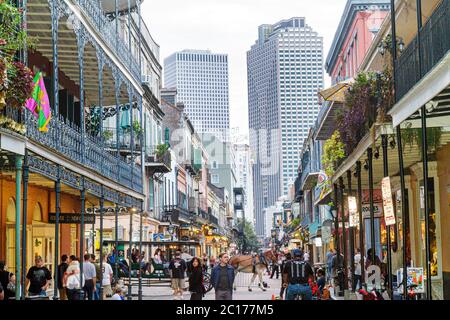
(353, 212)
(388, 204)
(71, 218)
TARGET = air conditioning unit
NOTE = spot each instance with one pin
(147, 79)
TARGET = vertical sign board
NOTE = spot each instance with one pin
(353, 212)
(388, 205)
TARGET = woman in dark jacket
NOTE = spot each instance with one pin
(196, 280)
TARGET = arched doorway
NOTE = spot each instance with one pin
(42, 240)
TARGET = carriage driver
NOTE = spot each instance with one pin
(296, 274)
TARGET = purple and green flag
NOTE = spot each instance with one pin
(39, 104)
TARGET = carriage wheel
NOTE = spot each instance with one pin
(207, 281)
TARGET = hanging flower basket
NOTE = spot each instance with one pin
(12, 125)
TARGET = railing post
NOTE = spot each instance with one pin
(24, 222)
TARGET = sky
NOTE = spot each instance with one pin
(231, 27)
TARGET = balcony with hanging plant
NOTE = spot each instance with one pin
(16, 79)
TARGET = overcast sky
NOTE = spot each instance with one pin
(231, 26)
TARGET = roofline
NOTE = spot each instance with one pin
(351, 8)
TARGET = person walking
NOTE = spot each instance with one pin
(357, 275)
(177, 269)
(329, 257)
(62, 267)
(8, 281)
(205, 262)
(97, 279)
(90, 276)
(196, 286)
(297, 274)
(38, 277)
(72, 279)
(275, 266)
(287, 257)
(222, 278)
(212, 262)
(107, 278)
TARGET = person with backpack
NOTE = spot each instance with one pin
(177, 269)
(296, 274)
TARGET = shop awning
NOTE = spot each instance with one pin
(313, 229)
(336, 93)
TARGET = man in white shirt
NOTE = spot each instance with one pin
(357, 275)
(107, 278)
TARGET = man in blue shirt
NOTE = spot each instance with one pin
(222, 278)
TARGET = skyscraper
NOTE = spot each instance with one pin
(201, 80)
(285, 72)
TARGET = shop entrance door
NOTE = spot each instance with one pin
(43, 244)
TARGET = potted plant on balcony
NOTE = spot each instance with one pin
(161, 150)
(16, 79)
(108, 135)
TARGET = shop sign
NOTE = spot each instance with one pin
(373, 276)
(326, 233)
(353, 212)
(318, 242)
(296, 209)
(377, 210)
(388, 205)
(71, 218)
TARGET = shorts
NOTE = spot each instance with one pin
(177, 284)
(107, 291)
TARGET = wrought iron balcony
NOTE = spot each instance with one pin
(107, 29)
(67, 140)
(158, 162)
(124, 143)
(213, 219)
(434, 45)
(177, 213)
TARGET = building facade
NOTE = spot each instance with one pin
(359, 24)
(285, 71)
(201, 80)
(244, 165)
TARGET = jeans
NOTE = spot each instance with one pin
(89, 289)
(357, 282)
(299, 289)
(97, 291)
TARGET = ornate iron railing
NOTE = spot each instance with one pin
(110, 138)
(107, 29)
(67, 139)
(434, 45)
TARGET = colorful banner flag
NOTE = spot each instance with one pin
(39, 104)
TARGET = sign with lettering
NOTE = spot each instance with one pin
(353, 212)
(373, 276)
(415, 279)
(70, 218)
(388, 205)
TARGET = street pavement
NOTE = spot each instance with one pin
(241, 293)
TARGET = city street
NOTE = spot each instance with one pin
(241, 293)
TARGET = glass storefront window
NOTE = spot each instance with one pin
(431, 227)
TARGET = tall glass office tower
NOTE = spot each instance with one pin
(285, 72)
(201, 80)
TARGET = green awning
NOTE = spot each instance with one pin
(313, 228)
